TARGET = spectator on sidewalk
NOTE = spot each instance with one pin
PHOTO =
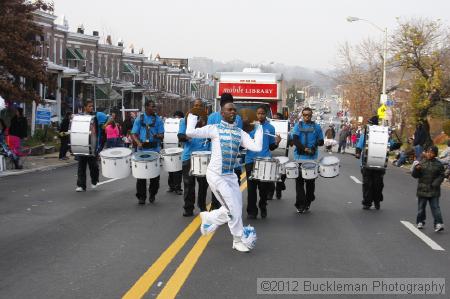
(126, 128)
(343, 138)
(406, 150)
(421, 137)
(444, 158)
(4, 148)
(430, 173)
(18, 130)
(353, 138)
(64, 135)
(113, 132)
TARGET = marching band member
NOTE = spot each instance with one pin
(84, 161)
(192, 145)
(278, 187)
(174, 179)
(306, 136)
(226, 138)
(216, 118)
(148, 132)
(269, 144)
(372, 178)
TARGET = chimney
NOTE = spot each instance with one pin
(80, 29)
(108, 40)
(95, 33)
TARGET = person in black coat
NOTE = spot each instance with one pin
(64, 136)
(19, 125)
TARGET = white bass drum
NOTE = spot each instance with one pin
(83, 135)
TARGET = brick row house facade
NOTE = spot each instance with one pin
(82, 66)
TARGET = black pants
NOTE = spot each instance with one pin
(281, 186)
(174, 180)
(215, 204)
(252, 185)
(141, 186)
(372, 186)
(64, 146)
(342, 144)
(83, 161)
(189, 189)
(305, 191)
(278, 187)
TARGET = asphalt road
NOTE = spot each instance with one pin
(56, 243)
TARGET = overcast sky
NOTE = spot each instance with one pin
(294, 32)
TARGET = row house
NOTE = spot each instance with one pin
(81, 67)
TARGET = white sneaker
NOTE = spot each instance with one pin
(439, 227)
(79, 189)
(94, 186)
(205, 228)
(420, 225)
(239, 246)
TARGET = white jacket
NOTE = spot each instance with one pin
(225, 142)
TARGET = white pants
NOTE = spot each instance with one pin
(228, 193)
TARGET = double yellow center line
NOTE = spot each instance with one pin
(174, 284)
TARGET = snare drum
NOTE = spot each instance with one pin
(145, 165)
(199, 163)
(171, 159)
(266, 170)
(282, 162)
(309, 170)
(83, 135)
(116, 162)
(329, 167)
(291, 170)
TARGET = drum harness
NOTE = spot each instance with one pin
(148, 132)
(306, 131)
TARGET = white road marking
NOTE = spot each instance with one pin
(422, 236)
(105, 182)
(355, 180)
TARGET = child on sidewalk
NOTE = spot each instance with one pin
(430, 173)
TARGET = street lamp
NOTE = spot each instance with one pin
(383, 96)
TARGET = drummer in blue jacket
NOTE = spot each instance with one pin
(306, 136)
(192, 145)
(83, 161)
(148, 133)
(270, 143)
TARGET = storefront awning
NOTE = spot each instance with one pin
(71, 55)
(129, 68)
(79, 54)
(106, 92)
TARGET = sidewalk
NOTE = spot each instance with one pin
(39, 163)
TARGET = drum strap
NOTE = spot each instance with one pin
(306, 131)
(147, 127)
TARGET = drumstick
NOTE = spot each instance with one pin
(274, 135)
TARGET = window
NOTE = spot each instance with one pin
(60, 52)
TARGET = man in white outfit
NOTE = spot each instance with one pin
(226, 138)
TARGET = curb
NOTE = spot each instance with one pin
(42, 168)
